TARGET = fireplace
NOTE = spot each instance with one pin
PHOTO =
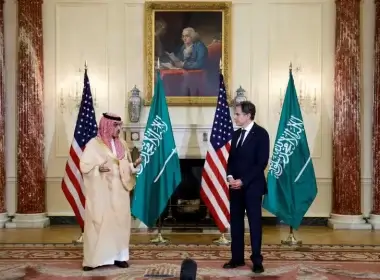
(185, 208)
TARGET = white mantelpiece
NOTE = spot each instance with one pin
(191, 140)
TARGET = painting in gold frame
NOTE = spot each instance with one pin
(190, 43)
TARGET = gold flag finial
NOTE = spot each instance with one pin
(85, 64)
(290, 66)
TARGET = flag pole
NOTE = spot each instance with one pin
(291, 239)
(170, 212)
(159, 239)
(222, 240)
(80, 238)
(207, 217)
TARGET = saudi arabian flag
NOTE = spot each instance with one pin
(160, 172)
(292, 186)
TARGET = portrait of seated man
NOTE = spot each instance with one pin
(188, 51)
(193, 53)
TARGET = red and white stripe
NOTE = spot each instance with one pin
(72, 183)
(214, 187)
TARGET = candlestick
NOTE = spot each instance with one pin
(62, 101)
(76, 91)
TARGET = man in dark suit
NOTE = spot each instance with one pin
(247, 161)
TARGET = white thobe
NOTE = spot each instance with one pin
(107, 212)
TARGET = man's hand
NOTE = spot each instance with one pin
(104, 168)
(137, 162)
(178, 64)
(235, 184)
(172, 56)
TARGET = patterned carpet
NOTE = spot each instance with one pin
(309, 262)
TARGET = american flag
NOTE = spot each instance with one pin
(85, 129)
(214, 188)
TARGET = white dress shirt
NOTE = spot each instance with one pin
(247, 130)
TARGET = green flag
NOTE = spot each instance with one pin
(160, 172)
(292, 186)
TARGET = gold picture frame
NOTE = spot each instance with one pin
(154, 10)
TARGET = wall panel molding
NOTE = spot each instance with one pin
(82, 34)
(300, 44)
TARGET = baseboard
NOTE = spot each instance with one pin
(268, 221)
(63, 220)
(306, 221)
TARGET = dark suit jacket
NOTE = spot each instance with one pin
(248, 163)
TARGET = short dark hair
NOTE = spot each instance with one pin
(247, 107)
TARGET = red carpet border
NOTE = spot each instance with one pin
(311, 262)
(70, 251)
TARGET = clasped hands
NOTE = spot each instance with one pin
(235, 184)
(104, 168)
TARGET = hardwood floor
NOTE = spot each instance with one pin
(271, 235)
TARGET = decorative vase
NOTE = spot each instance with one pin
(134, 105)
(239, 96)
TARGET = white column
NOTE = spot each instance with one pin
(374, 220)
(368, 36)
(10, 38)
(39, 220)
(337, 221)
(3, 219)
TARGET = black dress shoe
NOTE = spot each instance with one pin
(121, 264)
(232, 264)
(258, 268)
(87, 268)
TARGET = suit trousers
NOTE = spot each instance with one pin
(241, 200)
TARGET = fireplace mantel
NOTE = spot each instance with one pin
(191, 139)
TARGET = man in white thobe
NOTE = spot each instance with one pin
(107, 170)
